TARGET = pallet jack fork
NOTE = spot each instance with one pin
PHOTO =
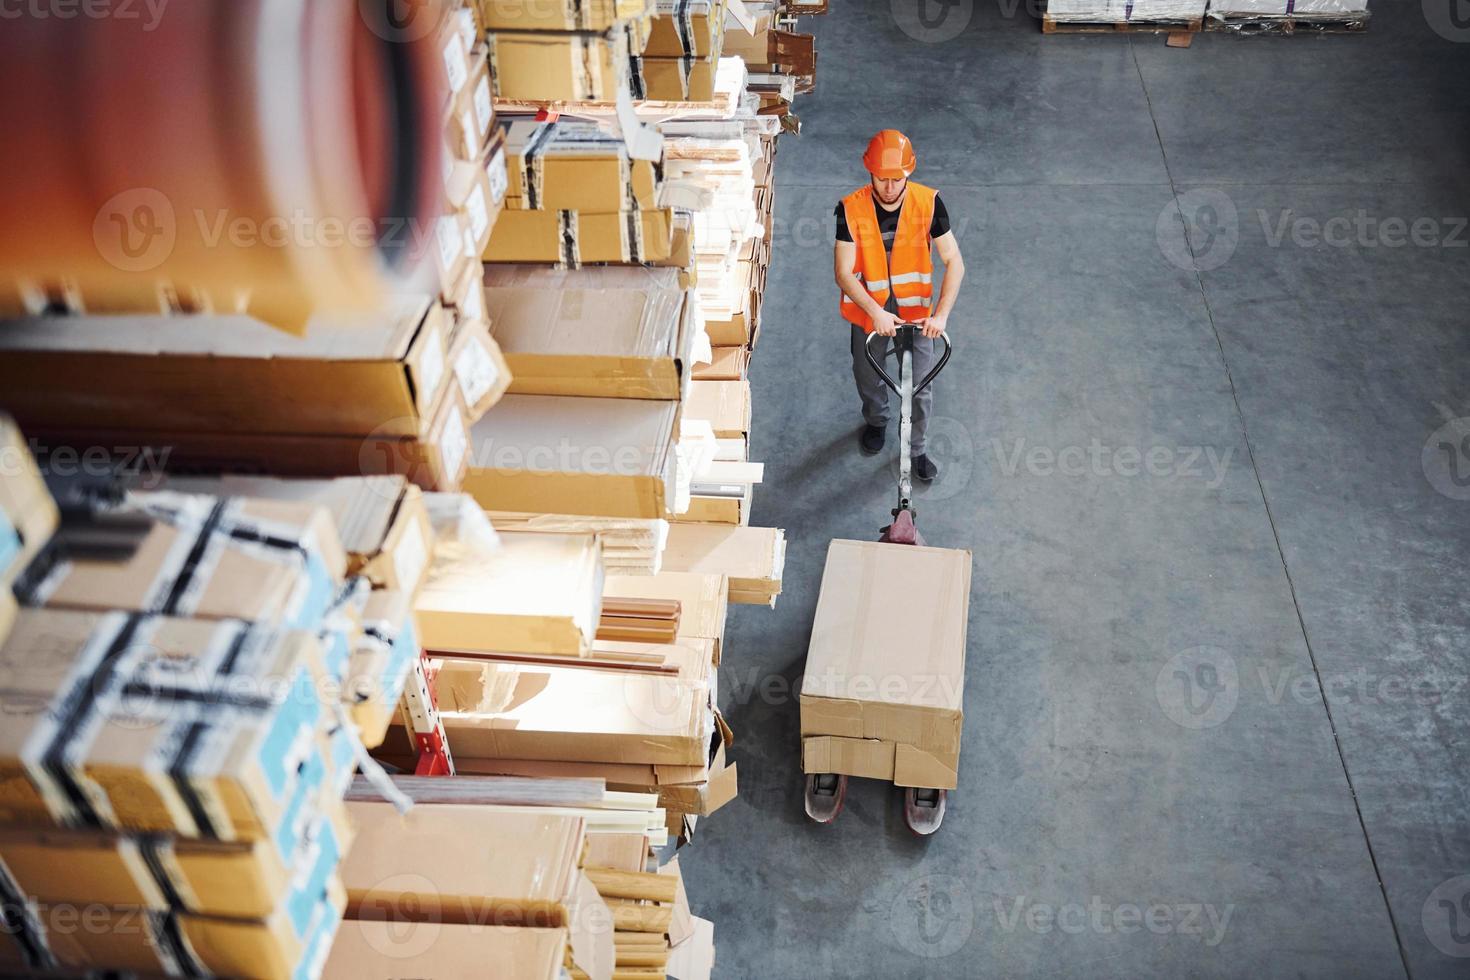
(923, 809)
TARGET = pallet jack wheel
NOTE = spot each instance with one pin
(825, 793)
(923, 809)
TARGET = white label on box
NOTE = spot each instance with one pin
(431, 370)
(476, 372)
(471, 134)
(466, 26)
(446, 234)
(469, 245)
(452, 446)
(479, 213)
(410, 556)
(484, 109)
(499, 179)
(454, 64)
(472, 304)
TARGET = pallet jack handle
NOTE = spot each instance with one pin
(904, 340)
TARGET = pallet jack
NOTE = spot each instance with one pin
(923, 809)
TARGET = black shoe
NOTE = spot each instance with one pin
(872, 439)
(924, 468)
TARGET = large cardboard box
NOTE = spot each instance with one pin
(685, 28)
(538, 593)
(559, 15)
(574, 166)
(594, 332)
(601, 457)
(96, 706)
(575, 237)
(351, 374)
(531, 66)
(28, 515)
(752, 559)
(724, 404)
(883, 695)
(268, 561)
(681, 79)
(574, 714)
(370, 950)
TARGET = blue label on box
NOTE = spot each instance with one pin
(302, 902)
(313, 774)
(9, 545)
(314, 956)
(282, 749)
(319, 595)
(395, 676)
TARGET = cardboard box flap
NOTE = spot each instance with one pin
(915, 767)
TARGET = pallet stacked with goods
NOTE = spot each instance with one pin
(1190, 16)
(374, 627)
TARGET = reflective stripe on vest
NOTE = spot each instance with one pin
(910, 280)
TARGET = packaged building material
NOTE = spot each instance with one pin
(559, 15)
(724, 404)
(533, 66)
(702, 600)
(28, 515)
(381, 662)
(629, 544)
(609, 457)
(1124, 11)
(565, 165)
(100, 704)
(538, 593)
(883, 695)
(573, 714)
(686, 28)
(350, 374)
(575, 237)
(268, 561)
(751, 558)
(381, 520)
(617, 333)
(358, 952)
(1235, 10)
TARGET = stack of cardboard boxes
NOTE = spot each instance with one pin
(188, 682)
(565, 50)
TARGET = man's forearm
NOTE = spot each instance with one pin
(854, 291)
(949, 290)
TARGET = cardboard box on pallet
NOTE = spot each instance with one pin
(527, 66)
(351, 374)
(568, 165)
(97, 705)
(686, 28)
(613, 332)
(575, 237)
(883, 696)
(601, 457)
(28, 515)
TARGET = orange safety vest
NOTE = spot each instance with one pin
(911, 279)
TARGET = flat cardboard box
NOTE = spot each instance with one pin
(537, 594)
(576, 715)
(28, 515)
(575, 237)
(456, 950)
(751, 558)
(724, 404)
(558, 15)
(270, 561)
(598, 457)
(528, 66)
(351, 374)
(682, 29)
(98, 703)
(872, 677)
(568, 165)
(381, 520)
(727, 364)
(480, 865)
(593, 332)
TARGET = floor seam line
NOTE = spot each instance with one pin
(1275, 533)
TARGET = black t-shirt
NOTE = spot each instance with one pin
(888, 222)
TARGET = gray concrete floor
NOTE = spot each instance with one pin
(1217, 716)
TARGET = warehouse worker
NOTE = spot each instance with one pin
(886, 232)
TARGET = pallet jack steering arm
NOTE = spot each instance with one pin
(906, 390)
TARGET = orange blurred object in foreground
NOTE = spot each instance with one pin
(275, 157)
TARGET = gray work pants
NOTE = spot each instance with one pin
(875, 393)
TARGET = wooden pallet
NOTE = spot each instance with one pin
(1288, 23)
(1050, 25)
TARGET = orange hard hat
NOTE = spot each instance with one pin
(890, 155)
